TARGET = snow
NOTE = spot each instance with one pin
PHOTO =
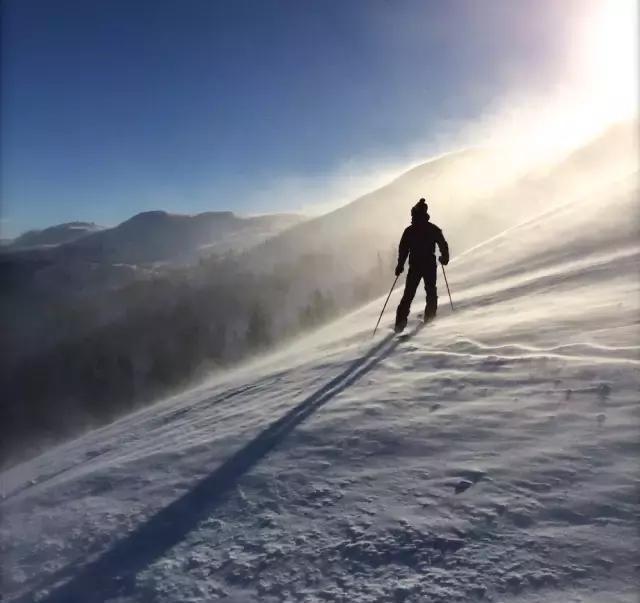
(490, 455)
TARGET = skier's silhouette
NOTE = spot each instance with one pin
(419, 243)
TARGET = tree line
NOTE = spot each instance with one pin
(153, 336)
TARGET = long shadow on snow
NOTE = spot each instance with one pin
(113, 573)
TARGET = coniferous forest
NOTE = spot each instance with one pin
(76, 359)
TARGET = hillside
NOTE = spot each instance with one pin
(149, 237)
(473, 194)
(488, 456)
(55, 235)
(157, 236)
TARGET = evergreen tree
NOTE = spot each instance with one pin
(258, 331)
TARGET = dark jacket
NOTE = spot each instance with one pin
(419, 243)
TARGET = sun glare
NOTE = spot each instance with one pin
(611, 58)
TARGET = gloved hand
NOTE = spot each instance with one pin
(444, 260)
(399, 270)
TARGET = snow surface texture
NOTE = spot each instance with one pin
(491, 455)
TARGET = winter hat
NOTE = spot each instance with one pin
(420, 209)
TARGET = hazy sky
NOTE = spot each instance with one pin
(119, 106)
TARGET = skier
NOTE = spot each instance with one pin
(419, 243)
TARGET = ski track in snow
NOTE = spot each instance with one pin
(488, 456)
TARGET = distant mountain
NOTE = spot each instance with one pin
(54, 235)
(83, 257)
(157, 236)
(150, 237)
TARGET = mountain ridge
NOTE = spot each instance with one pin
(183, 234)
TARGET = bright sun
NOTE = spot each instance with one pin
(611, 58)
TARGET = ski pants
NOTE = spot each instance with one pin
(429, 272)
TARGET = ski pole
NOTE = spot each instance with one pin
(385, 305)
(446, 283)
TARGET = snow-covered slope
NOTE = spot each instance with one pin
(489, 456)
(472, 194)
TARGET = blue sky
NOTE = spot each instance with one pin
(119, 106)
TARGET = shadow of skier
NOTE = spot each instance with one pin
(113, 573)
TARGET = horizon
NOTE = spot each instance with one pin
(98, 127)
(322, 210)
